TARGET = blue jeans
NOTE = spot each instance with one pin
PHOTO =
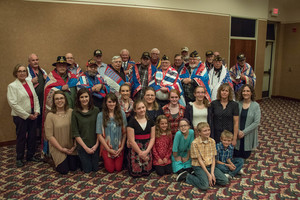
(89, 162)
(238, 162)
(200, 179)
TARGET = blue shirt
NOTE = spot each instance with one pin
(182, 145)
(223, 154)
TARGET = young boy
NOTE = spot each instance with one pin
(225, 161)
(203, 152)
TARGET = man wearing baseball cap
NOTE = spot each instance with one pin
(141, 76)
(242, 73)
(209, 60)
(101, 65)
(185, 54)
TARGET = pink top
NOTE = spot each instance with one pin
(27, 88)
(162, 148)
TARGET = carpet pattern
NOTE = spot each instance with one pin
(272, 171)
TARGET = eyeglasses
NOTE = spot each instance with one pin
(185, 125)
(22, 71)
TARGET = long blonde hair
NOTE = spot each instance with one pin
(158, 131)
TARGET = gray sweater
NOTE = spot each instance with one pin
(251, 126)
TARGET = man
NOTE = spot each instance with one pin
(242, 73)
(114, 75)
(74, 67)
(185, 54)
(165, 79)
(154, 58)
(178, 62)
(101, 65)
(217, 76)
(59, 79)
(209, 60)
(193, 74)
(141, 76)
(38, 77)
(216, 53)
(92, 80)
(127, 63)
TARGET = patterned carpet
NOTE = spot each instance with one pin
(272, 171)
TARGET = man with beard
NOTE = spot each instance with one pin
(185, 54)
(178, 62)
(217, 76)
(93, 81)
(193, 74)
(141, 76)
(209, 60)
(74, 67)
(127, 62)
(154, 58)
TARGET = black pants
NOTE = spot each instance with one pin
(71, 163)
(162, 170)
(22, 127)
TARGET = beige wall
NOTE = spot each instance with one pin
(288, 11)
(51, 29)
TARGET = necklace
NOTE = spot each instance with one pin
(61, 114)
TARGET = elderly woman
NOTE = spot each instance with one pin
(25, 107)
(57, 130)
(225, 113)
(249, 121)
(165, 79)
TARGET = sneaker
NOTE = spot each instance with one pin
(19, 163)
(193, 173)
(181, 177)
(241, 172)
(228, 176)
(33, 159)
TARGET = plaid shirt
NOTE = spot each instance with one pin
(223, 154)
(204, 149)
(173, 121)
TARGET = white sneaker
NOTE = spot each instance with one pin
(182, 176)
(241, 172)
(228, 176)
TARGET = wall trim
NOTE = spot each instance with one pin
(8, 143)
(284, 97)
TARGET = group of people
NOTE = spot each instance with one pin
(199, 120)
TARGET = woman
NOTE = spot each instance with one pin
(199, 110)
(183, 139)
(141, 138)
(174, 111)
(125, 101)
(153, 110)
(225, 113)
(57, 131)
(25, 109)
(83, 126)
(249, 120)
(111, 123)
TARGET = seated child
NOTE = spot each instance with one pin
(162, 148)
(203, 152)
(225, 161)
(181, 161)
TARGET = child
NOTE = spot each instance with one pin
(125, 101)
(162, 148)
(225, 162)
(203, 152)
(181, 161)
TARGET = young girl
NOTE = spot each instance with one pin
(141, 137)
(162, 148)
(83, 126)
(111, 123)
(181, 160)
(125, 101)
(152, 107)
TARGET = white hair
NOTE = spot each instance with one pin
(155, 49)
(124, 50)
(115, 58)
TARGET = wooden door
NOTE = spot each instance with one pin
(246, 47)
